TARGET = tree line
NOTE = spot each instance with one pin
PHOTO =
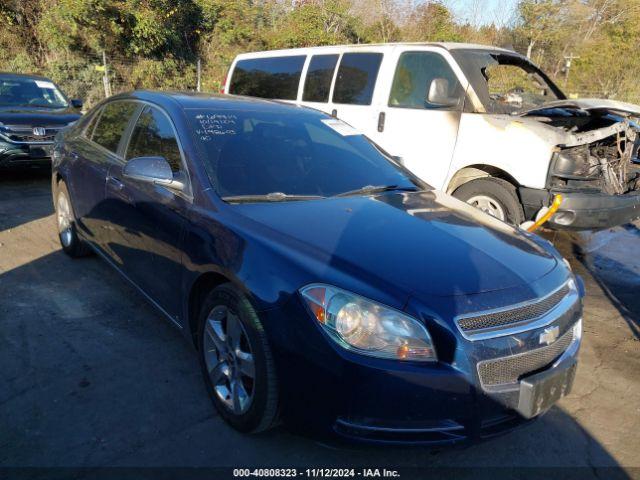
(590, 47)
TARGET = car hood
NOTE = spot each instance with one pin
(423, 242)
(590, 104)
(37, 116)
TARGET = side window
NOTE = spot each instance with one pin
(153, 136)
(112, 124)
(319, 76)
(357, 78)
(275, 77)
(87, 131)
(424, 80)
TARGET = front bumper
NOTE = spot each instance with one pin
(24, 154)
(327, 390)
(585, 211)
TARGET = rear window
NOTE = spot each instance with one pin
(112, 123)
(357, 78)
(275, 77)
(319, 76)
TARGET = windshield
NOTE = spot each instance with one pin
(29, 92)
(507, 83)
(279, 154)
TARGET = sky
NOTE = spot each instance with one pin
(483, 12)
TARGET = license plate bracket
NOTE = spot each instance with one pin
(541, 391)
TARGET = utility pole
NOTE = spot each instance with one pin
(198, 73)
(567, 66)
(105, 76)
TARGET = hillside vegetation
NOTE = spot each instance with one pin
(157, 43)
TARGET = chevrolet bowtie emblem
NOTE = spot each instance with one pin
(549, 335)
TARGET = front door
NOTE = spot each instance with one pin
(148, 234)
(419, 119)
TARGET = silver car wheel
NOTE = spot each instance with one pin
(488, 205)
(65, 220)
(229, 359)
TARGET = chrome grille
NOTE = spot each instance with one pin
(506, 370)
(509, 317)
(24, 134)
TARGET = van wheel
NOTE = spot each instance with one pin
(66, 222)
(237, 364)
(495, 197)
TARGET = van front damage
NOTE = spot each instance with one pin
(595, 167)
(587, 147)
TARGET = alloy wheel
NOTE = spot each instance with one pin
(229, 359)
(65, 220)
(488, 205)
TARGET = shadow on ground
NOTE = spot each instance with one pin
(21, 193)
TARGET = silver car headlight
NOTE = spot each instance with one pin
(367, 327)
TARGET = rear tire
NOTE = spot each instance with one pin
(494, 196)
(236, 361)
(71, 243)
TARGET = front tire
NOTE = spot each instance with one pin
(495, 197)
(66, 222)
(236, 361)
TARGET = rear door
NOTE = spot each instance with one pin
(149, 223)
(318, 78)
(91, 155)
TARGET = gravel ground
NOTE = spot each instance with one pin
(92, 376)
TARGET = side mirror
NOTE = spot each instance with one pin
(439, 93)
(154, 170)
(76, 103)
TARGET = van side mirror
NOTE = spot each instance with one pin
(76, 103)
(439, 93)
(154, 170)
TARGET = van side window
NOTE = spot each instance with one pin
(274, 77)
(357, 78)
(420, 73)
(319, 77)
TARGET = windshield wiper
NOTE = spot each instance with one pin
(369, 189)
(269, 197)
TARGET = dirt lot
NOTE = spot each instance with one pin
(90, 375)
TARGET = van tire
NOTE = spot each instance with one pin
(497, 195)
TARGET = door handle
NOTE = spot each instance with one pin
(381, 118)
(115, 183)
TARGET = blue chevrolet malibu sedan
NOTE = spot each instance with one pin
(321, 283)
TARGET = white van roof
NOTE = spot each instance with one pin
(444, 45)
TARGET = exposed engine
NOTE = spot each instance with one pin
(603, 154)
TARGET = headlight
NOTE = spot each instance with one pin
(574, 162)
(366, 327)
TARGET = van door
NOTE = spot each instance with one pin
(419, 119)
(353, 90)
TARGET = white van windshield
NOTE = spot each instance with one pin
(506, 83)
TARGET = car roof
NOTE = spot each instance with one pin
(24, 75)
(444, 45)
(194, 100)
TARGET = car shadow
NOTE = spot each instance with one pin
(21, 193)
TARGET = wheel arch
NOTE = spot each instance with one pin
(199, 290)
(472, 172)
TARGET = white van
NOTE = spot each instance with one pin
(481, 123)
